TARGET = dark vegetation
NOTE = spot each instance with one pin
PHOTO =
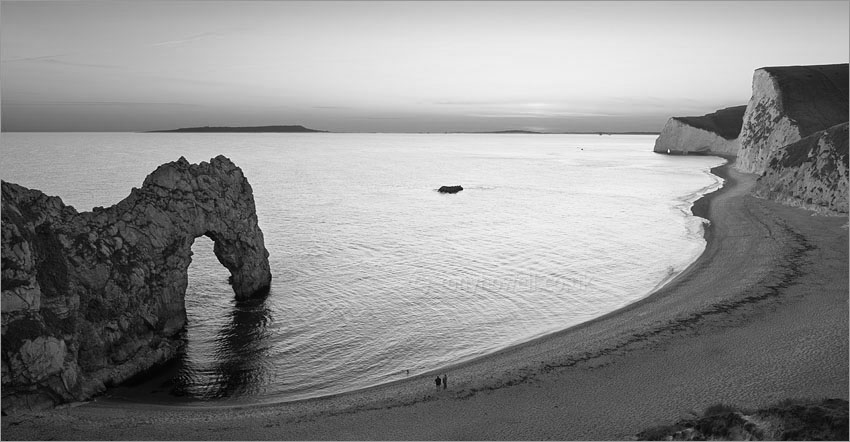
(816, 97)
(791, 419)
(724, 122)
(254, 129)
(841, 141)
(797, 153)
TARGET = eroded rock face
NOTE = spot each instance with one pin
(712, 133)
(91, 299)
(789, 103)
(811, 173)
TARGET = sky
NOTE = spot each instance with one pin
(392, 66)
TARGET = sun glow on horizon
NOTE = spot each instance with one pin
(395, 66)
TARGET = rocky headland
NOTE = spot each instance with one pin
(716, 132)
(244, 129)
(788, 104)
(91, 299)
(793, 133)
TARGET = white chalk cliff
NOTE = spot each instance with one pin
(792, 133)
(712, 133)
(789, 103)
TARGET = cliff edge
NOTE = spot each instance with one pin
(788, 104)
(91, 299)
(716, 132)
(793, 132)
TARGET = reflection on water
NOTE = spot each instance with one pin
(231, 363)
(241, 347)
(236, 360)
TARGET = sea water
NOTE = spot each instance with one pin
(375, 273)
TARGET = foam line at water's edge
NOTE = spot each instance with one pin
(686, 206)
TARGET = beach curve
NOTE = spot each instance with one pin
(761, 315)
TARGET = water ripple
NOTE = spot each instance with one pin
(376, 273)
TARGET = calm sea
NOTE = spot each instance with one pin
(374, 272)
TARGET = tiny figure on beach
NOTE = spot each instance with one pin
(437, 381)
(445, 381)
(408, 372)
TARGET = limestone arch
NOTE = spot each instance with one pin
(117, 307)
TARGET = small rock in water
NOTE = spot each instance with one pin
(450, 189)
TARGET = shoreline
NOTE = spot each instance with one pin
(130, 399)
(596, 380)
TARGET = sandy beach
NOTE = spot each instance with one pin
(760, 316)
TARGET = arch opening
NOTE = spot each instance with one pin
(225, 338)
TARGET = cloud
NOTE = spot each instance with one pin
(377, 118)
(185, 40)
(477, 103)
(100, 103)
(37, 58)
(87, 65)
(527, 109)
(541, 115)
(55, 60)
(196, 37)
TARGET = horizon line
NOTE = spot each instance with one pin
(498, 132)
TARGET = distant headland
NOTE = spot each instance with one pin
(219, 129)
(299, 128)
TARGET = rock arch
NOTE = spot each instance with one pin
(90, 299)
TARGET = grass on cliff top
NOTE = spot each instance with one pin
(816, 97)
(724, 122)
(791, 419)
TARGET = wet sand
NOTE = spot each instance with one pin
(760, 316)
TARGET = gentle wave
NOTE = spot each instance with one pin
(376, 273)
